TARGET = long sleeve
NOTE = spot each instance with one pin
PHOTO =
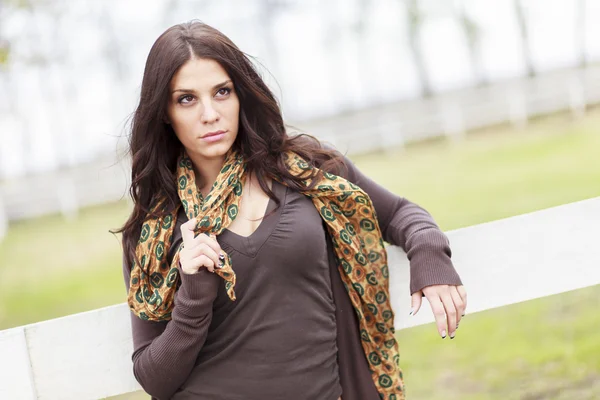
(409, 226)
(165, 352)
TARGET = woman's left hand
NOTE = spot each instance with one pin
(448, 303)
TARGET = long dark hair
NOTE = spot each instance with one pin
(262, 137)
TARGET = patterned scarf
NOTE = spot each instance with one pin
(351, 223)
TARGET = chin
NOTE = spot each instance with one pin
(218, 150)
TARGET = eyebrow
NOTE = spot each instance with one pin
(193, 91)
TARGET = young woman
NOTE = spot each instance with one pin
(254, 260)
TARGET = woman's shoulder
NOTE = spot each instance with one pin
(325, 154)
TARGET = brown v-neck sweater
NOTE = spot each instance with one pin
(292, 332)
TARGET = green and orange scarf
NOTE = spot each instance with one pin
(351, 222)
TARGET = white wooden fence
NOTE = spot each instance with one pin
(88, 355)
(378, 128)
(454, 113)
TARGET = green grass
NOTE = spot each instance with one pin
(543, 349)
(496, 173)
(52, 267)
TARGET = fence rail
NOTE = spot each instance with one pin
(88, 355)
(454, 113)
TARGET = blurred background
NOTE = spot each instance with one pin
(476, 110)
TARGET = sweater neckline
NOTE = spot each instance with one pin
(250, 245)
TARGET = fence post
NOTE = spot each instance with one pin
(577, 100)
(453, 120)
(15, 367)
(3, 220)
(392, 137)
(67, 196)
(517, 107)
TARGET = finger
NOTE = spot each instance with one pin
(458, 303)
(207, 241)
(451, 313)
(438, 313)
(415, 302)
(203, 261)
(211, 241)
(463, 295)
(204, 249)
(187, 232)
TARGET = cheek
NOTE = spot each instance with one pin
(233, 113)
(182, 122)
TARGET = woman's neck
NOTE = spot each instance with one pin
(206, 171)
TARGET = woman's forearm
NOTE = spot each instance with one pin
(165, 353)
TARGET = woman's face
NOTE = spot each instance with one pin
(203, 109)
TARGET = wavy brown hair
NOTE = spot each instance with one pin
(262, 138)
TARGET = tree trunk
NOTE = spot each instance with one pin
(524, 31)
(472, 35)
(414, 25)
(580, 36)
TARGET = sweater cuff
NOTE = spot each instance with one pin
(431, 265)
(197, 292)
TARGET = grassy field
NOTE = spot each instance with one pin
(543, 349)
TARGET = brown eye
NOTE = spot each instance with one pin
(186, 97)
(223, 92)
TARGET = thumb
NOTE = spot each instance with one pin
(187, 231)
(416, 299)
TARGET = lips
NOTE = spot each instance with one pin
(214, 136)
(210, 134)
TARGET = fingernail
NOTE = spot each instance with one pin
(452, 335)
(220, 265)
(443, 334)
(412, 310)
(463, 315)
(221, 256)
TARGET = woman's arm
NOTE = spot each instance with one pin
(409, 226)
(165, 352)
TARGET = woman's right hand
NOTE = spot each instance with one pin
(200, 251)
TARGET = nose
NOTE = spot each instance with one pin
(209, 114)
